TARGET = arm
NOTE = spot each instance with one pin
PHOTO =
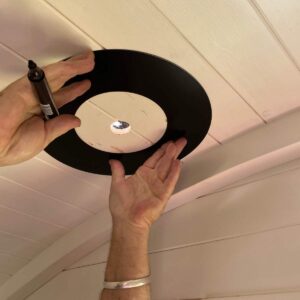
(135, 203)
(128, 259)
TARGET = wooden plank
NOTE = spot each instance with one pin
(236, 42)
(3, 278)
(251, 264)
(11, 69)
(273, 296)
(258, 206)
(260, 148)
(22, 225)
(265, 263)
(283, 17)
(292, 165)
(61, 286)
(35, 21)
(39, 205)
(103, 21)
(19, 246)
(56, 183)
(10, 264)
(207, 144)
(61, 253)
(98, 181)
(98, 256)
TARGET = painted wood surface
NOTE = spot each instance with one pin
(283, 19)
(47, 31)
(258, 206)
(232, 37)
(142, 27)
(260, 261)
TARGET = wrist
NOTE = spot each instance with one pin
(127, 233)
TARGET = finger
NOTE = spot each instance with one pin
(117, 170)
(154, 158)
(82, 55)
(172, 178)
(58, 126)
(180, 144)
(71, 92)
(164, 164)
(60, 72)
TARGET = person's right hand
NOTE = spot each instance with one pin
(137, 201)
(23, 132)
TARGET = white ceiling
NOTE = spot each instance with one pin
(246, 54)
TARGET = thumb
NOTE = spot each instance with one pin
(117, 170)
(58, 126)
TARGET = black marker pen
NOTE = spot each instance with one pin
(38, 79)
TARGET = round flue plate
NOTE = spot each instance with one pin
(175, 91)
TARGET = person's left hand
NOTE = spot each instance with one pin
(137, 201)
(23, 132)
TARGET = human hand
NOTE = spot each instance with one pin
(137, 201)
(23, 132)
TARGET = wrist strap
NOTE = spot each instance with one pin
(126, 284)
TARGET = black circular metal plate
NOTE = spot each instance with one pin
(180, 96)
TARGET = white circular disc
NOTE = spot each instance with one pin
(147, 120)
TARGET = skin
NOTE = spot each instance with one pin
(135, 202)
(23, 132)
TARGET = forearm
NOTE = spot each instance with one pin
(128, 260)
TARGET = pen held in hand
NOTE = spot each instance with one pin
(38, 79)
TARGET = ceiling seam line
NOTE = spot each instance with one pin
(13, 52)
(240, 185)
(209, 63)
(216, 240)
(258, 293)
(72, 23)
(114, 118)
(13, 255)
(269, 26)
(45, 195)
(215, 139)
(84, 266)
(34, 218)
(66, 171)
(226, 238)
(24, 238)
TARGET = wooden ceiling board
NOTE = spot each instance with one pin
(11, 67)
(20, 246)
(140, 26)
(39, 205)
(9, 264)
(284, 19)
(237, 208)
(44, 198)
(98, 181)
(28, 227)
(55, 183)
(3, 278)
(237, 43)
(207, 144)
(229, 267)
(25, 23)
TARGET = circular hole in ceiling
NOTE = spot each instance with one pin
(120, 127)
(119, 122)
